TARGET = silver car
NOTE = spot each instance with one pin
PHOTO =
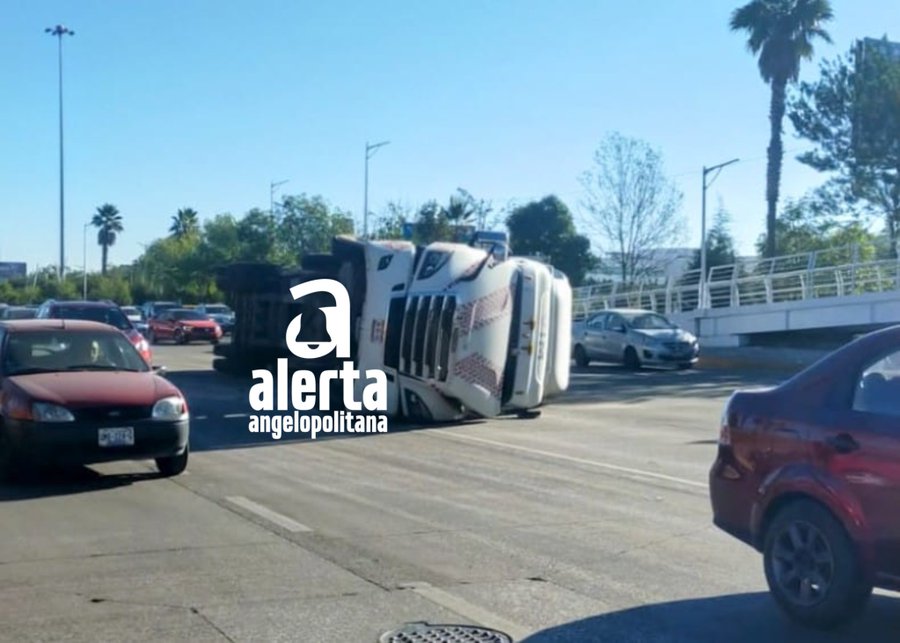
(635, 338)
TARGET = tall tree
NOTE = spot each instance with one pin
(719, 243)
(546, 228)
(781, 32)
(307, 225)
(185, 223)
(108, 222)
(634, 209)
(852, 116)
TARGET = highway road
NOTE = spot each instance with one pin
(589, 523)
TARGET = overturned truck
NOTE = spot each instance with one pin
(459, 330)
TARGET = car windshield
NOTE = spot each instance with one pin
(59, 350)
(110, 316)
(218, 310)
(187, 315)
(650, 322)
(131, 311)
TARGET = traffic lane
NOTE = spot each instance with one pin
(555, 523)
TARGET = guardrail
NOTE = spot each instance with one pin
(798, 277)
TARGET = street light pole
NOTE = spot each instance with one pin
(703, 275)
(59, 31)
(370, 152)
(84, 269)
(272, 186)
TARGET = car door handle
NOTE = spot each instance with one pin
(842, 443)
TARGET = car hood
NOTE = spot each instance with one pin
(197, 323)
(89, 388)
(665, 334)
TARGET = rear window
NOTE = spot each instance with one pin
(110, 316)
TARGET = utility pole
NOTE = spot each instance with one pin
(59, 31)
(703, 275)
(370, 152)
(272, 186)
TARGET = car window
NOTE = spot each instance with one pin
(597, 322)
(110, 316)
(615, 322)
(878, 388)
(55, 351)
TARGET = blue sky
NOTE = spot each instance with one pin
(171, 104)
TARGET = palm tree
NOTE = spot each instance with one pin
(185, 223)
(108, 222)
(782, 33)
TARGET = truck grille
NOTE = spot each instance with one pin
(427, 330)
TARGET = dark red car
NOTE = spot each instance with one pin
(79, 392)
(182, 326)
(808, 473)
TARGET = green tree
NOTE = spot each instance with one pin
(719, 243)
(185, 223)
(108, 222)
(392, 222)
(838, 113)
(546, 228)
(307, 225)
(781, 32)
(633, 208)
(431, 224)
(258, 232)
(807, 225)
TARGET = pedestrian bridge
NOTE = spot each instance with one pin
(804, 292)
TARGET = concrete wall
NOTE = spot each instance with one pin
(730, 326)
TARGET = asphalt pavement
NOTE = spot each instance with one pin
(588, 523)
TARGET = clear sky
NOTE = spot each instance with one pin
(196, 103)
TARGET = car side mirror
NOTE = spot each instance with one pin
(160, 370)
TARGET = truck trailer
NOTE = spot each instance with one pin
(460, 330)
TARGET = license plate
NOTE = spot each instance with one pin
(118, 437)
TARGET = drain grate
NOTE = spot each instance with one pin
(425, 633)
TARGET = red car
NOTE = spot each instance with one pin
(182, 326)
(808, 473)
(79, 392)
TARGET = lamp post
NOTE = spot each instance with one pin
(370, 152)
(272, 186)
(84, 262)
(59, 31)
(703, 275)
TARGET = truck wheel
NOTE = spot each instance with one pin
(812, 566)
(581, 357)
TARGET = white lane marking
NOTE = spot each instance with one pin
(234, 415)
(199, 417)
(264, 512)
(469, 610)
(569, 458)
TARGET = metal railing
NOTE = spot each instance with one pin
(813, 275)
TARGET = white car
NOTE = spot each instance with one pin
(634, 338)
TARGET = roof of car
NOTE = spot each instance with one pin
(83, 304)
(77, 325)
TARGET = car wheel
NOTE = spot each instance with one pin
(174, 465)
(686, 366)
(8, 469)
(632, 361)
(581, 358)
(179, 337)
(151, 337)
(214, 341)
(812, 566)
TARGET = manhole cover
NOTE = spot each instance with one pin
(425, 633)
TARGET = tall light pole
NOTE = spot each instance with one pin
(703, 275)
(272, 186)
(370, 152)
(84, 262)
(59, 31)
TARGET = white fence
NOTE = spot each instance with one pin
(831, 273)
